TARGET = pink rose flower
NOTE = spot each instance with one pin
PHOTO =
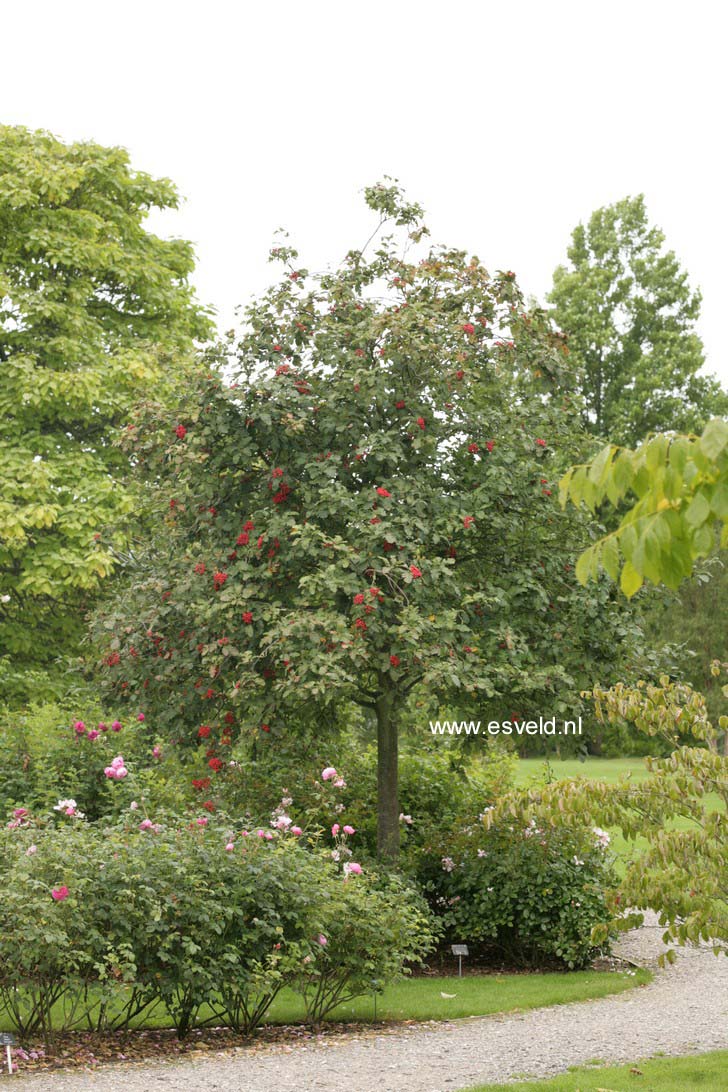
(229, 847)
(352, 868)
(322, 940)
(349, 830)
(141, 718)
(59, 893)
(329, 774)
(297, 831)
(335, 829)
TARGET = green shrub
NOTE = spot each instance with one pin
(524, 895)
(101, 924)
(369, 932)
(437, 783)
(45, 758)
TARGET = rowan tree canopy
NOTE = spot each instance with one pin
(361, 508)
(91, 307)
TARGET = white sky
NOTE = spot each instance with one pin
(509, 122)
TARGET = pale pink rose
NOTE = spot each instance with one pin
(31, 850)
(202, 821)
(335, 829)
(229, 847)
(322, 940)
(339, 783)
(157, 752)
(296, 830)
(146, 824)
(352, 868)
(349, 830)
(329, 774)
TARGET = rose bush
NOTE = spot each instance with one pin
(104, 923)
(49, 753)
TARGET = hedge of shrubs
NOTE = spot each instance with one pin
(185, 912)
(103, 924)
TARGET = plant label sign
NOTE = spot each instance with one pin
(7, 1040)
(460, 950)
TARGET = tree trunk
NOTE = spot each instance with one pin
(387, 776)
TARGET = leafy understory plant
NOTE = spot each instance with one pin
(680, 809)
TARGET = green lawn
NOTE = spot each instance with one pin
(704, 1071)
(599, 769)
(421, 998)
(531, 771)
(474, 995)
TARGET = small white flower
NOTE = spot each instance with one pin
(577, 861)
(448, 864)
(406, 819)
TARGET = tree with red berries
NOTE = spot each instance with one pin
(360, 508)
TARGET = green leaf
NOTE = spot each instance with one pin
(630, 581)
(610, 557)
(697, 511)
(714, 438)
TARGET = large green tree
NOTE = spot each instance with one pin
(93, 308)
(630, 315)
(362, 511)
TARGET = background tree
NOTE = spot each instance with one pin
(364, 513)
(92, 310)
(630, 315)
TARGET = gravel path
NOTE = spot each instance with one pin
(684, 1010)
